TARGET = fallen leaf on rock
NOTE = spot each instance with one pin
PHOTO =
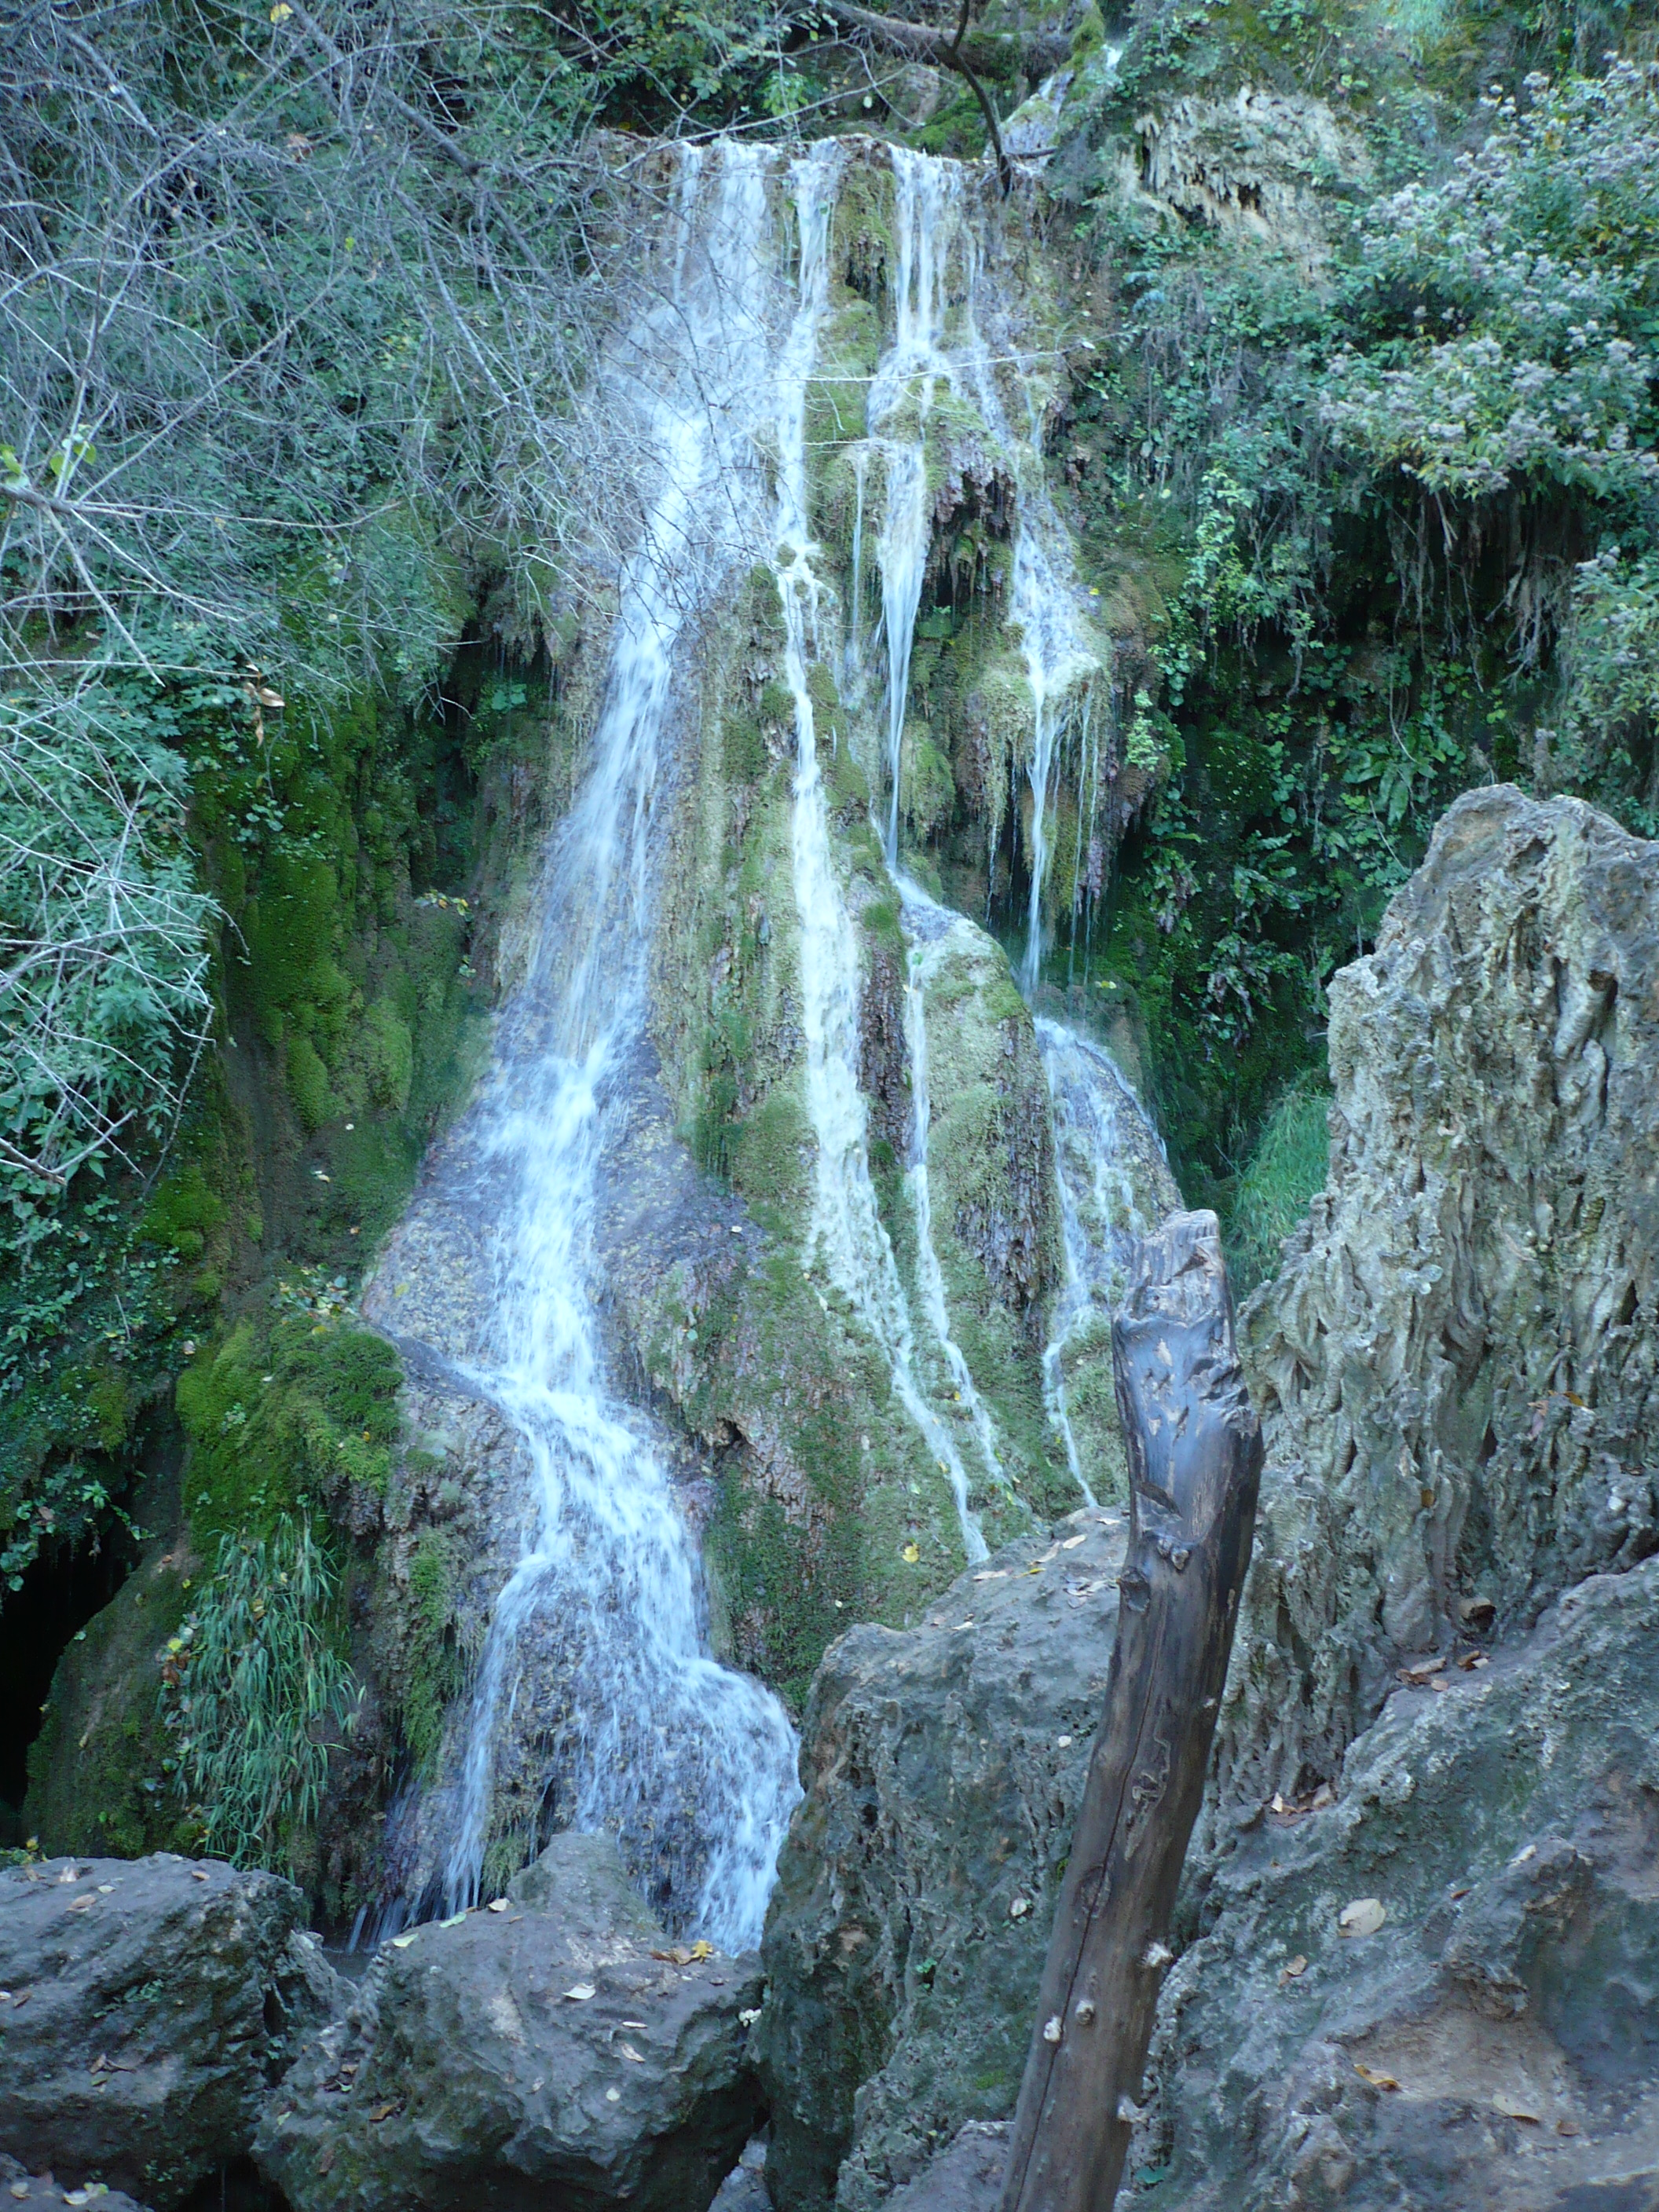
(1293, 1969)
(580, 1992)
(383, 2112)
(641, 2024)
(454, 1919)
(992, 1575)
(1362, 1917)
(1020, 1908)
(1567, 2128)
(1071, 1543)
(402, 1942)
(497, 1904)
(613, 2096)
(1513, 2109)
(1322, 1796)
(1377, 2080)
(701, 1950)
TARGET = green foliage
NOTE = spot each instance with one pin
(282, 1416)
(1513, 301)
(103, 938)
(254, 1694)
(1270, 1198)
(1607, 741)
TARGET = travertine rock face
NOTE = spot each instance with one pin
(943, 1766)
(1493, 2044)
(1458, 1367)
(556, 2051)
(149, 2006)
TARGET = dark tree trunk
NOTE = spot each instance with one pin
(1194, 1452)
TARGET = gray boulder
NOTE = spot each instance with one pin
(1493, 2044)
(943, 1767)
(558, 2050)
(1457, 1369)
(149, 2006)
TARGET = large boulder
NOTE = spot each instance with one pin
(1491, 2045)
(556, 2049)
(147, 2005)
(943, 1766)
(1457, 1369)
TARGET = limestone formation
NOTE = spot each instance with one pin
(1457, 1369)
(943, 1767)
(149, 2006)
(552, 2047)
(1491, 2046)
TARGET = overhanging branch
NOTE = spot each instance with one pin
(921, 42)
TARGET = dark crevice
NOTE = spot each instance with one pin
(63, 1589)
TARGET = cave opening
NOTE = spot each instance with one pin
(64, 1587)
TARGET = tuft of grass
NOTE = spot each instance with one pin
(252, 1689)
(1272, 1192)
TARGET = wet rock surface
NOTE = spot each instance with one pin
(149, 2006)
(1457, 1369)
(1492, 2044)
(559, 2050)
(943, 1767)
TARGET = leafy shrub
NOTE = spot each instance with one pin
(252, 1689)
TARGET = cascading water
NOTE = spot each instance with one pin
(1114, 1187)
(691, 1765)
(846, 1234)
(926, 201)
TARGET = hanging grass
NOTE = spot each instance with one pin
(253, 1690)
(1279, 1181)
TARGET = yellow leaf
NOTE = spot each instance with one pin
(280, 12)
(910, 1555)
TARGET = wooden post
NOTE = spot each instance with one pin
(1194, 1452)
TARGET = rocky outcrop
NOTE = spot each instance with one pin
(1258, 166)
(1442, 1989)
(553, 2047)
(149, 2006)
(943, 1768)
(1458, 1369)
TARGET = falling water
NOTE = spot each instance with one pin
(691, 1765)
(846, 1234)
(1114, 1187)
(926, 198)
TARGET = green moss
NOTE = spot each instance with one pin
(183, 1214)
(1287, 1166)
(308, 1084)
(100, 1771)
(388, 1046)
(433, 1673)
(281, 1417)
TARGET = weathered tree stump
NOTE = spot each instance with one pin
(1194, 1452)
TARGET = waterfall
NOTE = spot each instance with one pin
(927, 205)
(847, 1233)
(691, 1765)
(1114, 1187)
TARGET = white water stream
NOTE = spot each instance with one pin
(1114, 1187)
(691, 1764)
(847, 1237)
